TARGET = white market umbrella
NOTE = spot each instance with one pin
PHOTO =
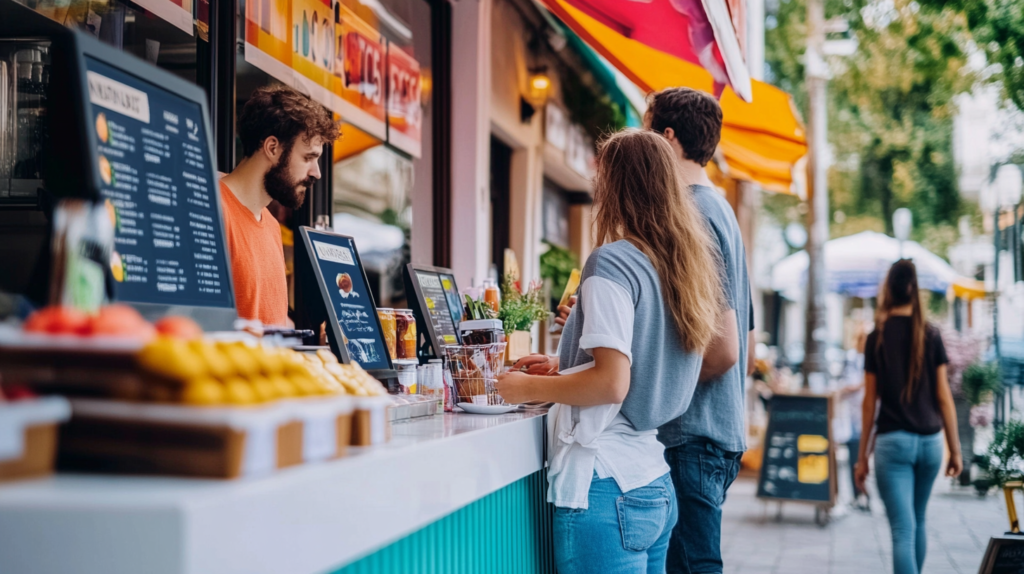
(857, 264)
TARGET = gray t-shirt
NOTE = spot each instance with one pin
(662, 376)
(717, 409)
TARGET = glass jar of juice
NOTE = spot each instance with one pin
(405, 344)
(390, 328)
(492, 295)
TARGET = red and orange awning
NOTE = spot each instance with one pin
(761, 140)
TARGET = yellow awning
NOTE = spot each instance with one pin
(761, 141)
(967, 288)
(353, 141)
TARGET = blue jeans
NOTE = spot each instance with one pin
(906, 465)
(620, 532)
(702, 473)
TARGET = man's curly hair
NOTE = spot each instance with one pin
(282, 112)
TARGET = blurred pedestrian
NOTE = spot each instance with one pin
(851, 395)
(905, 370)
(629, 357)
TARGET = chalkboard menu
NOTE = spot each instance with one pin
(353, 325)
(1004, 555)
(799, 458)
(437, 304)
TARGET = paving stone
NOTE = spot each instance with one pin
(754, 541)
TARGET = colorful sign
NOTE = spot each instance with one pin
(405, 116)
(325, 51)
(359, 74)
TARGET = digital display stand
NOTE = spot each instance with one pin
(437, 305)
(343, 299)
(138, 140)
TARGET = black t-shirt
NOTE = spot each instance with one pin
(891, 363)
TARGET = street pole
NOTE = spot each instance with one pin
(816, 332)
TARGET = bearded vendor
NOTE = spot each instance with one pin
(282, 133)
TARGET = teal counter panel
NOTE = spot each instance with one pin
(506, 532)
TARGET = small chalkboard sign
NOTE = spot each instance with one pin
(437, 306)
(799, 457)
(345, 301)
(1004, 555)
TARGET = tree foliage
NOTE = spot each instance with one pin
(997, 27)
(891, 107)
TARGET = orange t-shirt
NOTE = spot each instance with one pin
(257, 261)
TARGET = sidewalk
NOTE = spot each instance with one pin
(753, 542)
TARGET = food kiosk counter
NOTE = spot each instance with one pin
(308, 519)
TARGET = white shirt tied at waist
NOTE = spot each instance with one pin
(573, 433)
(585, 440)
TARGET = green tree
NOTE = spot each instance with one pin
(890, 108)
(998, 28)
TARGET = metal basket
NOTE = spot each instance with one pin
(475, 370)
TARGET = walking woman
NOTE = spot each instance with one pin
(629, 359)
(905, 370)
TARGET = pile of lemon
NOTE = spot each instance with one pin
(203, 372)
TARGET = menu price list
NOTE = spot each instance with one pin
(157, 183)
(350, 298)
(436, 299)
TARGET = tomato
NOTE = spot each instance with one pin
(179, 328)
(120, 321)
(58, 320)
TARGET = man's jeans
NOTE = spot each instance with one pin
(624, 533)
(906, 465)
(702, 473)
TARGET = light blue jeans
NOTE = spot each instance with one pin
(906, 465)
(621, 533)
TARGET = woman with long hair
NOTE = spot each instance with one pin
(905, 371)
(630, 355)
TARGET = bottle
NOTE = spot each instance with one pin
(449, 390)
(437, 383)
(492, 295)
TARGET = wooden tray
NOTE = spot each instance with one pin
(117, 437)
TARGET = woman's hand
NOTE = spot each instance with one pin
(537, 364)
(515, 387)
(564, 310)
(955, 465)
(860, 475)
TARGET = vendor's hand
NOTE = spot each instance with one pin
(514, 387)
(955, 465)
(563, 311)
(537, 364)
(860, 475)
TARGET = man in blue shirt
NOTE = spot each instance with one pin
(704, 446)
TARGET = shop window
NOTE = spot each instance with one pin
(375, 182)
(555, 215)
(355, 57)
(168, 40)
(371, 203)
(25, 71)
(501, 194)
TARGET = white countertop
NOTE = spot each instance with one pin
(307, 519)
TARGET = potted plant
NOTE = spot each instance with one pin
(963, 350)
(1004, 462)
(981, 381)
(518, 312)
